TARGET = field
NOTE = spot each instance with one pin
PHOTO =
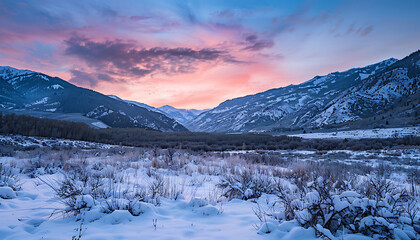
(364, 133)
(63, 189)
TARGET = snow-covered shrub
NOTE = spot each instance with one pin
(246, 185)
(165, 187)
(35, 167)
(130, 200)
(9, 176)
(91, 187)
(375, 210)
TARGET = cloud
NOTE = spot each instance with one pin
(117, 57)
(83, 78)
(365, 31)
(361, 31)
(255, 44)
(139, 18)
(228, 13)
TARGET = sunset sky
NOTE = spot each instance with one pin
(196, 54)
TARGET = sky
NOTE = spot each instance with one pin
(197, 54)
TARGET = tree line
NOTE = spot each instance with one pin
(32, 126)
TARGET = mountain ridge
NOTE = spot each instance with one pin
(181, 115)
(296, 107)
(34, 91)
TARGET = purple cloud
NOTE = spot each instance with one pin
(117, 57)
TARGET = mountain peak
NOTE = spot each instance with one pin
(7, 71)
(183, 116)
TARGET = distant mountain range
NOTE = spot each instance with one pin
(23, 90)
(337, 100)
(181, 115)
(381, 94)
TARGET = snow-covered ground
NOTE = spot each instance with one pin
(36, 213)
(365, 133)
(154, 194)
(28, 216)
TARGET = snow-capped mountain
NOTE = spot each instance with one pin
(28, 90)
(184, 116)
(338, 97)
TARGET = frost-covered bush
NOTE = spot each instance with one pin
(78, 192)
(127, 199)
(39, 166)
(105, 189)
(246, 185)
(9, 176)
(383, 211)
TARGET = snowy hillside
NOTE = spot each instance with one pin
(183, 116)
(336, 98)
(294, 106)
(32, 91)
(374, 95)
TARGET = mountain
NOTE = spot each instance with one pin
(183, 116)
(324, 101)
(143, 105)
(33, 91)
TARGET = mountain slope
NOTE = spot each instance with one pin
(22, 89)
(184, 116)
(338, 97)
(143, 105)
(377, 94)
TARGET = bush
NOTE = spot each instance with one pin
(245, 185)
(9, 176)
(376, 213)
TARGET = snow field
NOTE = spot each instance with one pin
(144, 195)
(368, 133)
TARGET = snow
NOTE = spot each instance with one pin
(117, 217)
(84, 200)
(98, 112)
(9, 72)
(175, 220)
(100, 125)
(43, 77)
(318, 80)
(197, 213)
(17, 140)
(364, 133)
(363, 76)
(267, 227)
(56, 86)
(7, 192)
(39, 101)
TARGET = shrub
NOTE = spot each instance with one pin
(328, 209)
(9, 176)
(245, 185)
